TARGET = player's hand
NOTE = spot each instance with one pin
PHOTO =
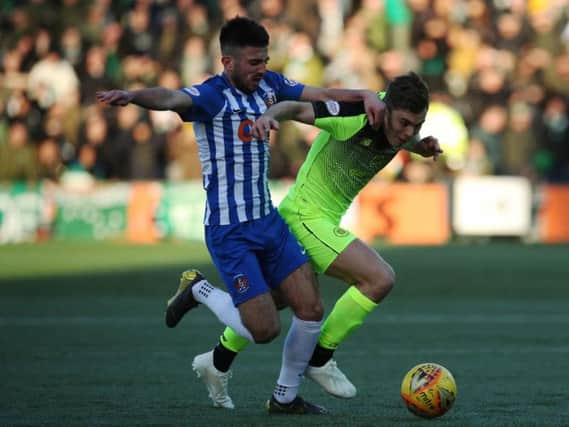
(263, 126)
(114, 97)
(374, 109)
(431, 148)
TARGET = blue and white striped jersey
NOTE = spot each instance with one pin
(235, 166)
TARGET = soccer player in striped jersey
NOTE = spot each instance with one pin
(345, 156)
(250, 244)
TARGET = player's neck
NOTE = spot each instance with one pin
(235, 84)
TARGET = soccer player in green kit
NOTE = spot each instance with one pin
(344, 157)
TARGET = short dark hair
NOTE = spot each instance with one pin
(407, 92)
(241, 32)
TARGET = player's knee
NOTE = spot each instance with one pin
(381, 283)
(265, 333)
(386, 279)
(310, 312)
(279, 300)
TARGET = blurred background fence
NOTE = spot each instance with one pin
(474, 208)
(498, 71)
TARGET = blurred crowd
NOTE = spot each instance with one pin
(498, 72)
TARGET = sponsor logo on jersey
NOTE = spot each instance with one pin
(241, 283)
(194, 91)
(244, 130)
(270, 98)
(333, 107)
(290, 82)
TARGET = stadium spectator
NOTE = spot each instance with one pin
(477, 162)
(72, 46)
(19, 107)
(50, 165)
(3, 124)
(94, 77)
(490, 130)
(182, 154)
(195, 62)
(519, 141)
(118, 151)
(17, 156)
(62, 126)
(170, 42)
(479, 52)
(146, 155)
(95, 134)
(53, 80)
(303, 63)
(554, 142)
(137, 38)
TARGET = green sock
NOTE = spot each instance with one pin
(347, 315)
(231, 341)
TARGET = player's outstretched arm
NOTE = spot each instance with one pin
(157, 98)
(374, 107)
(286, 110)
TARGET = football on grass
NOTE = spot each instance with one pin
(428, 390)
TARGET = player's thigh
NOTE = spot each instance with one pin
(237, 262)
(360, 264)
(281, 253)
(300, 291)
(323, 241)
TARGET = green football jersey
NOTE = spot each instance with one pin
(344, 157)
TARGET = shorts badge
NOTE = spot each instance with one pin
(340, 232)
(241, 283)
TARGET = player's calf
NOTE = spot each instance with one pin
(261, 318)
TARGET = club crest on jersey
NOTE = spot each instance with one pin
(270, 99)
(241, 283)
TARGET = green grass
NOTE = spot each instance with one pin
(82, 339)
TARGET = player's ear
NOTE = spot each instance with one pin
(227, 62)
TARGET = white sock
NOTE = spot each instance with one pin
(221, 304)
(298, 347)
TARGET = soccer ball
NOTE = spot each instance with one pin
(428, 390)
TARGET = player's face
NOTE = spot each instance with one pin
(247, 67)
(402, 125)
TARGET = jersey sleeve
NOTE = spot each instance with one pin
(340, 119)
(206, 103)
(285, 88)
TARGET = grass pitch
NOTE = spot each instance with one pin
(83, 340)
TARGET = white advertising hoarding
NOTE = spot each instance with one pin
(491, 206)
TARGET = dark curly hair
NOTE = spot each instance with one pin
(407, 92)
(241, 32)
